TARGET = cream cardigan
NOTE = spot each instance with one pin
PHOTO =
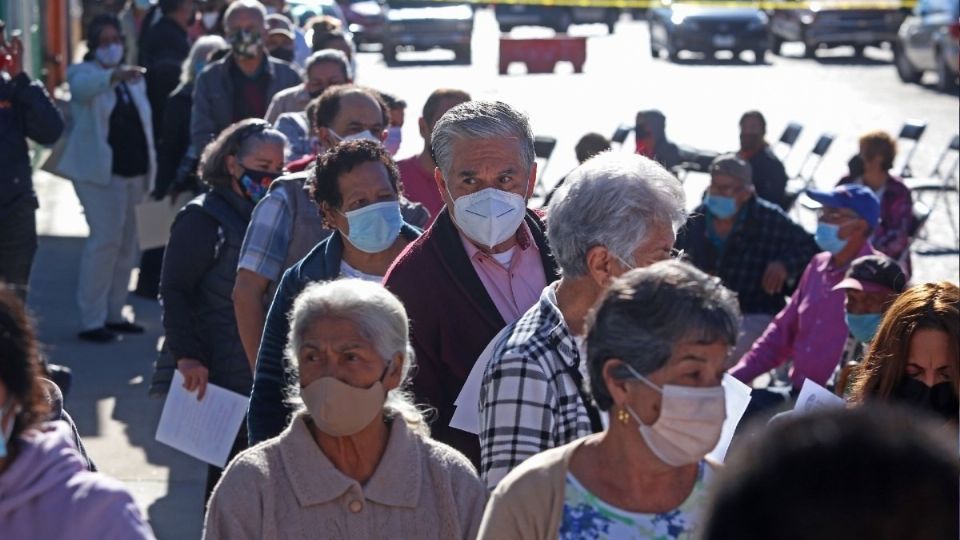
(287, 488)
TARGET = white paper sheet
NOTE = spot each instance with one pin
(466, 415)
(154, 219)
(203, 429)
(814, 397)
(737, 396)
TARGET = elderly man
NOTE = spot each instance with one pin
(416, 172)
(484, 260)
(615, 212)
(769, 176)
(286, 224)
(811, 329)
(241, 84)
(748, 242)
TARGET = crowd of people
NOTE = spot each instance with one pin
(350, 295)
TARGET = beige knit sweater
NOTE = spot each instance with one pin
(286, 488)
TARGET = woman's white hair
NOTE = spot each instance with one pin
(200, 51)
(611, 200)
(378, 315)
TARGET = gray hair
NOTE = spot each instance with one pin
(480, 120)
(647, 312)
(200, 51)
(332, 56)
(244, 5)
(612, 200)
(378, 315)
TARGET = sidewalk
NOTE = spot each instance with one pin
(108, 401)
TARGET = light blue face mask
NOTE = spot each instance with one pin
(863, 326)
(6, 431)
(828, 239)
(375, 227)
(721, 207)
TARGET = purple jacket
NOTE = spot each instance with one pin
(46, 492)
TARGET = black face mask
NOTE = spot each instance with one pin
(642, 132)
(856, 166)
(282, 53)
(750, 142)
(939, 399)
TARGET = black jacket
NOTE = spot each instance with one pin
(174, 140)
(165, 47)
(199, 270)
(769, 177)
(26, 111)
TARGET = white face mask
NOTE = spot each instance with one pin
(489, 216)
(364, 135)
(394, 138)
(109, 55)
(689, 425)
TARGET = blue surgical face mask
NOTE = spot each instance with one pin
(828, 239)
(375, 227)
(7, 429)
(863, 326)
(721, 207)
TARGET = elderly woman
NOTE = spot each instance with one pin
(200, 262)
(533, 396)
(46, 490)
(656, 348)
(358, 462)
(915, 358)
(356, 187)
(110, 157)
(892, 236)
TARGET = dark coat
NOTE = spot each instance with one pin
(769, 177)
(452, 318)
(26, 111)
(165, 47)
(174, 140)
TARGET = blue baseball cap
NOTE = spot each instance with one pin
(860, 199)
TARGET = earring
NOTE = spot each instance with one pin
(623, 416)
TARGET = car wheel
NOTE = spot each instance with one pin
(463, 54)
(810, 50)
(390, 54)
(505, 28)
(673, 53)
(612, 21)
(776, 44)
(654, 50)
(905, 69)
(760, 56)
(947, 80)
(562, 23)
(858, 51)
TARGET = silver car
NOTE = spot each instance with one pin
(929, 40)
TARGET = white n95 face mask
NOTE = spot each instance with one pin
(489, 216)
(690, 422)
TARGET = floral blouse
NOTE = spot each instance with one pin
(587, 517)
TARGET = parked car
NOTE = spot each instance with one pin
(304, 10)
(559, 18)
(830, 23)
(696, 27)
(929, 40)
(421, 25)
(365, 18)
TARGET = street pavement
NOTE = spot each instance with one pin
(702, 101)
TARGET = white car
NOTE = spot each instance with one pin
(929, 40)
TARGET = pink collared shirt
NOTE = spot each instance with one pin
(514, 289)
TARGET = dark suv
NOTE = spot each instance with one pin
(929, 40)
(557, 17)
(828, 23)
(698, 27)
(421, 25)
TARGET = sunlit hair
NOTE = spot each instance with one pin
(240, 140)
(879, 142)
(378, 315)
(930, 306)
